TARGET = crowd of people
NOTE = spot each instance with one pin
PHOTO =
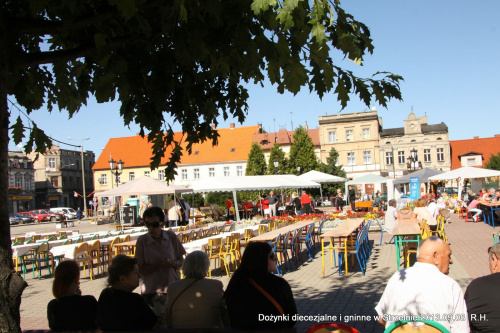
(254, 292)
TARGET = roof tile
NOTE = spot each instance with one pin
(484, 146)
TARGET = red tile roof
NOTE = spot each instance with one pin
(135, 151)
(283, 138)
(484, 146)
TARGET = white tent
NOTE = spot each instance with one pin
(465, 172)
(370, 178)
(322, 178)
(143, 186)
(250, 183)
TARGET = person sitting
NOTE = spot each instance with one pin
(422, 213)
(425, 289)
(391, 216)
(70, 311)
(377, 200)
(473, 208)
(196, 297)
(484, 192)
(432, 206)
(253, 292)
(118, 308)
(482, 299)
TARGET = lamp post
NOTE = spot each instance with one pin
(116, 169)
(83, 172)
(298, 170)
(276, 165)
(413, 163)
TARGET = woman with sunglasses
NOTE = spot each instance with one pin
(159, 254)
(257, 299)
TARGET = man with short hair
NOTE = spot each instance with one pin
(273, 202)
(425, 291)
(482, 298)
(432, 206)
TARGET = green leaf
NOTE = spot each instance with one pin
(295, 76)
(100, 40)
(17, 131)
(318, 33)
(285, 14)
(126, 7)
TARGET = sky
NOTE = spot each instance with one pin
(446, 50)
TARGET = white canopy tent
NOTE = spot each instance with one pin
(465, 172)
(250, 183)
(322, 178)
(370, 178)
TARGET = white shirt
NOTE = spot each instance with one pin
(390, 220)
(423, 291)
(433, 209)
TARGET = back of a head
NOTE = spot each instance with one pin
(196, 265)
(428, 246)
(66, 273)
(121, 265)
(255, 258)
(392, 203)
(154, 211)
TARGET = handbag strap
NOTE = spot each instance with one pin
(179, 295)
(269, 297)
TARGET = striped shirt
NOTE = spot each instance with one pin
(423, 291)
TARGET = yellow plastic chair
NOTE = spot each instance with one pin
(95, 254)
(81, 255)
(226, 251)
(263, 229)
(213, 250)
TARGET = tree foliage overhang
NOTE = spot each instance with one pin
(181, 61)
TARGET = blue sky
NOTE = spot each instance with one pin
(446, 51)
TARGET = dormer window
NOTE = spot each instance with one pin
(197, 152)
(264, 142)
(233, 150)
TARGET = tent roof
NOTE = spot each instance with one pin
(466, 172)
(144, 185)
(251, 183)
(370, 178)
(422, 174)
(321, 177)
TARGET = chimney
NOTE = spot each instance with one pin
(476, 137)
(231, 125)
(259, 128)
(213, 126)
(497, 135)
(306, 127)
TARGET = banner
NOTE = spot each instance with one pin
(414, 188)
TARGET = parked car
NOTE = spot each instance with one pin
(69, 213)
(13, 219)
(24, 217)
(54, 217)
(41, 215)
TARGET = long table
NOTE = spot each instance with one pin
(271, 235)
(343, 231)
(408, 228)
(493, 206)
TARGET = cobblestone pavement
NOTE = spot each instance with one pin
(333, 295)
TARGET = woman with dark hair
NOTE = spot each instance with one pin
(70, 311)
(257, 299)
(119, 309)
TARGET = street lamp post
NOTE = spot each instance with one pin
(276, 165)
(116, 169)
(413, 163)
(83, 172)
(298, 170)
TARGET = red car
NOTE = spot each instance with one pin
(40, 215)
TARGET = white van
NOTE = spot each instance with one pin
(69, 213)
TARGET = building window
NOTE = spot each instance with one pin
(239, 171)
(184, 174)
(70, 182)
(366, 134)
(131, 176)
(331, 137)
(440, 154)
(349, 135)
(104, 179)
(52, 163)
(211, 172)
(146, 173)
(161, 174)
(55, 181)
(367, 157)
(28, 184)
(427, 155)
(471, 161)
(401, 157)
(389, 159)
(351, 159)
(226, 171)
(19, 182)
(196, 173)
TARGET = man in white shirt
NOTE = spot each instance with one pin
(432, 206)
(425, 291)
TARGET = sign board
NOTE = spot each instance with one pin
(23, 197)
(414, 188)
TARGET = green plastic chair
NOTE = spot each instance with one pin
(40, 255)
(96, 236)
(392, 327)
